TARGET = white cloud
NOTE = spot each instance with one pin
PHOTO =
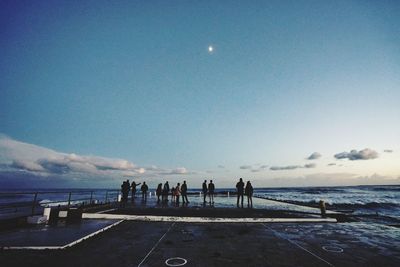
(292, 167)
(177, 171)
(364, 154)
(27, 165)
(16, 156)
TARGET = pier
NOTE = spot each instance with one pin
(199, 234)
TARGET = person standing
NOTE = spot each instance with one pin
(125, 192)
(240, 191)
(173, 198)
(133, 188)
(165, 192)
(249, 193)
(158, 192)
(211, 188)
(144, 189)
(177, 193)
(184, 192)
(204, 190)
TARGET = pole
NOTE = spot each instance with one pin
(34, 204)
(69, 199)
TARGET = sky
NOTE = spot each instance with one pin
(293, 93)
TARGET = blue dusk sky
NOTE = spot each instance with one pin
(282, 93)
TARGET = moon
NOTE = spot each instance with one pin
(210, 49)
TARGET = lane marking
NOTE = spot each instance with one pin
(298, 245)
(153, 218)
(331, 248)
(104, 211)
(91, 235)
(181, 261)
(154, 247)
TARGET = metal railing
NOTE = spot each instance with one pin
(20, 203)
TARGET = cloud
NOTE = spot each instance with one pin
(310, 165)
(36, 161)
(331, 164)
(177, 171)
(314, 155)
(221, 166)
(364, 154)
(254, 168)
(245, 167)
(152, 168)
(25, 165)
(281, 168)
(292, 167)
(388, 151)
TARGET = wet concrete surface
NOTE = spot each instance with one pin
(251, 244)
(223, 201)
(59, 234)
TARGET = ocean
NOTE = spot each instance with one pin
(382, 200)
(379, 201)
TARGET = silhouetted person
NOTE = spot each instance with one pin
(211, 188)
(165, 192)
(125, 192)
(204, 190)
(184, 192)
(240, 191)
(144, 189)
(133, 188)
(173, 195)
(177, 193)
(249, 193)
(159, 192)
(122, 193)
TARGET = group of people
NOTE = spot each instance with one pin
(176, 192)
(210, 189)
(248, 191)
(163, 191)
(126, 187)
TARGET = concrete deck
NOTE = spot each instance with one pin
(51, 236)
(245, 244)
(249, 241)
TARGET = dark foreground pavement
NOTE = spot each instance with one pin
(220, 244)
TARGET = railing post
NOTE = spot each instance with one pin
(69, 199)
(34, 204)
(91, 197)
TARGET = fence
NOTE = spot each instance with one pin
(15, 204)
